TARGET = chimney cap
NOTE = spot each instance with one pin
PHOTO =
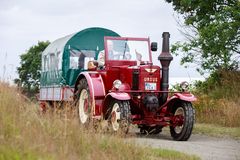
(166, 34)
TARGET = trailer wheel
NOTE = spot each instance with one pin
(84, 102)
(183, 121)
(120, 117)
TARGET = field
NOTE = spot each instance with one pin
(27, 134)
(218, 100)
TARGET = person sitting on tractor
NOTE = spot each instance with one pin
(101, 59)
(138, 55)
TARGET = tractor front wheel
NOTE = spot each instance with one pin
(182, 121)
(120, 117)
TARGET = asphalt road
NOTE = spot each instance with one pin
(206, 147)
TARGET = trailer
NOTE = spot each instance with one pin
(65, 58)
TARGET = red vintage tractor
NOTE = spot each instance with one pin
(124, 87)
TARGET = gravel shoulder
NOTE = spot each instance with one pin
(206, 147)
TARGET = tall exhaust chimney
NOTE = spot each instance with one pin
(165, 59)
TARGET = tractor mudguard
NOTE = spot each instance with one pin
(185, 97)
(113, 95)
(179, 96)
(95, 84)
(96, 88)
(119, 96)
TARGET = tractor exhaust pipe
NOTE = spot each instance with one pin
(165, 59)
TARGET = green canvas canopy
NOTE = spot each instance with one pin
(66, 57)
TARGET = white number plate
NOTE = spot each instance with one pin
(150, 86)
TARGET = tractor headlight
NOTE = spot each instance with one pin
(184, 86)
(117, 83)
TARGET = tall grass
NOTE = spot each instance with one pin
(27, 134)
(218, 99)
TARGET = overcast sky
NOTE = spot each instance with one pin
(25, 22)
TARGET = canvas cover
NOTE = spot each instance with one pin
(65, 58)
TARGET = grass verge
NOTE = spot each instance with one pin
(170, 154)
(217, 131)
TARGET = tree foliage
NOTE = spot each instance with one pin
(30, 66)
(212, 30)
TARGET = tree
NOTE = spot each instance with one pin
(30, 66)
(212, 30)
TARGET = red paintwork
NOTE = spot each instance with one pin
(85, 106)
(96, 89)
(43, 106)
(100, 84)
(185, 96)
(177, 120)
(119, 96)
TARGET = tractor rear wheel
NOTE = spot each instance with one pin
(183, 115)
(84, 103)
(119, 117)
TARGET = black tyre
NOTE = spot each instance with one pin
(148, 130)
(119, 117)
(184, 112)
(84, 103)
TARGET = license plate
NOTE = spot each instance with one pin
(150, 86)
